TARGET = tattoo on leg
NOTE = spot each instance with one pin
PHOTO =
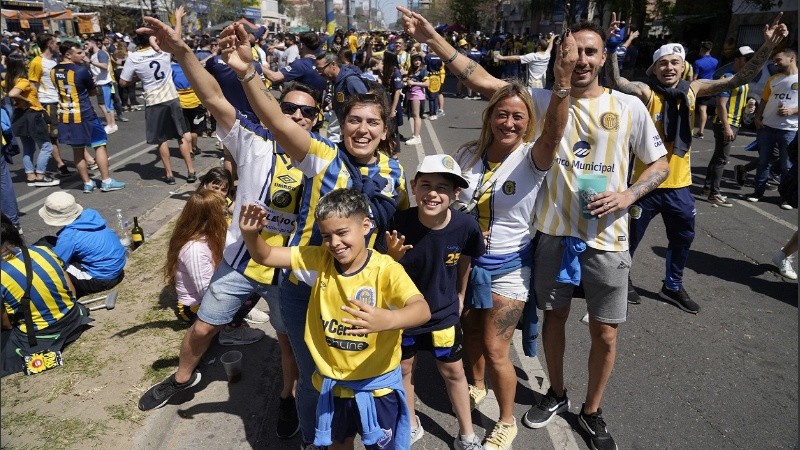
(464, 74)
(506, 318)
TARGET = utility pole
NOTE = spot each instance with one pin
(330, 28)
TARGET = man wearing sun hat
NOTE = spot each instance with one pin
(671, 101)
(92, 252)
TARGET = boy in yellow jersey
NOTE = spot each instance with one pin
(671, 102)
(360, 302)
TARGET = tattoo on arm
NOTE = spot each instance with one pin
(708, 88)
(648, 182)
(464, 74)
(624, 85)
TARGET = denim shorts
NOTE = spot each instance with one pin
(227, 292)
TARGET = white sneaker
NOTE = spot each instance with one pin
(257, 316)
(468, 444)
(416, 140)
(433, 117)
(784, 265)
(240, 336)
(418, 432)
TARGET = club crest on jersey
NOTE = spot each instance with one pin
(794, 86)
(635, 211)
(609, 121)
(340, 97)
(282, 199)
(581, 149)
(509, 187)
(366, 295)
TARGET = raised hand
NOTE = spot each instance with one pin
(367, 318)
(235, 47)
(167, 36)
(566, 58)
(416, 25)
(776, 31)
(613, 27)
(252, 218)
(395, 245)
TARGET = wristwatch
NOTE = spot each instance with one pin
(561, 92)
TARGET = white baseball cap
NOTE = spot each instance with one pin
(443, 164)
(667, 50)
(744, 50)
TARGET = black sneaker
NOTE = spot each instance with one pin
(288, 423)
(191, 178)
(633, 296)
(542, 413)
(169, 180)
(64, 171)
(680, 299)
(596, 427)
(739, 173)
(158, 395)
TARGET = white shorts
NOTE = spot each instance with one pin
(515, 285)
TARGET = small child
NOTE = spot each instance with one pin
(435, 244)
(360, 300)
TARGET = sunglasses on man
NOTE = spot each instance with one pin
(289, 108)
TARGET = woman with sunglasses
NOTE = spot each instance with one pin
(360, 161)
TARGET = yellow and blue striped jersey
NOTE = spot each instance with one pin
(325, 169)
(737, 100)
(50, 296)
(73, 83)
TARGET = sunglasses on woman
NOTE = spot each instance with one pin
(289, 108)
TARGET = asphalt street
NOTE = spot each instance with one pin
(724, 378)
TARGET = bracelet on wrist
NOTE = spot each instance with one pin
(452, 58)
(247, 78)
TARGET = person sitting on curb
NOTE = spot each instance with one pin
(57, 317)
(92, 252)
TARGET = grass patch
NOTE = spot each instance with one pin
(57, 433)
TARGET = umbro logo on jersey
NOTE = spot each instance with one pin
(581, 149)
(622, 265)
(323, 284)
(287, 179)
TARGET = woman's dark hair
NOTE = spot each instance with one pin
(9, 233)
(379, 100)
(216, 174)
(15, 66)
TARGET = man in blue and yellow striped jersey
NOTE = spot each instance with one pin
(57, 318)
(730, 109)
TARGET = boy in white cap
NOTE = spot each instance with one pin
(92, 252)
(671, 101)
(435, 245)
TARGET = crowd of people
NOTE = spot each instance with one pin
(357, 281)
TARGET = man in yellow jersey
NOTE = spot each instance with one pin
(57, 317)
(606, 129)
(670, 101)
(730, 109)
(264, 175)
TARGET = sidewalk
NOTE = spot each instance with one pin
(92, 400)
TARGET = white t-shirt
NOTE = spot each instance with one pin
(47, 90)
(291, 54)
(101, 77)
(155, 70)
(599, 138)
(505, 208)
(537, 65)
(780, 90)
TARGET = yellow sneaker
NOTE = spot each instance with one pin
(476, 396)
(502, 436)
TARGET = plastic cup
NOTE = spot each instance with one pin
(590, 185)
(232, 362)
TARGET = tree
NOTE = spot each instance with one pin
(313, 15)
